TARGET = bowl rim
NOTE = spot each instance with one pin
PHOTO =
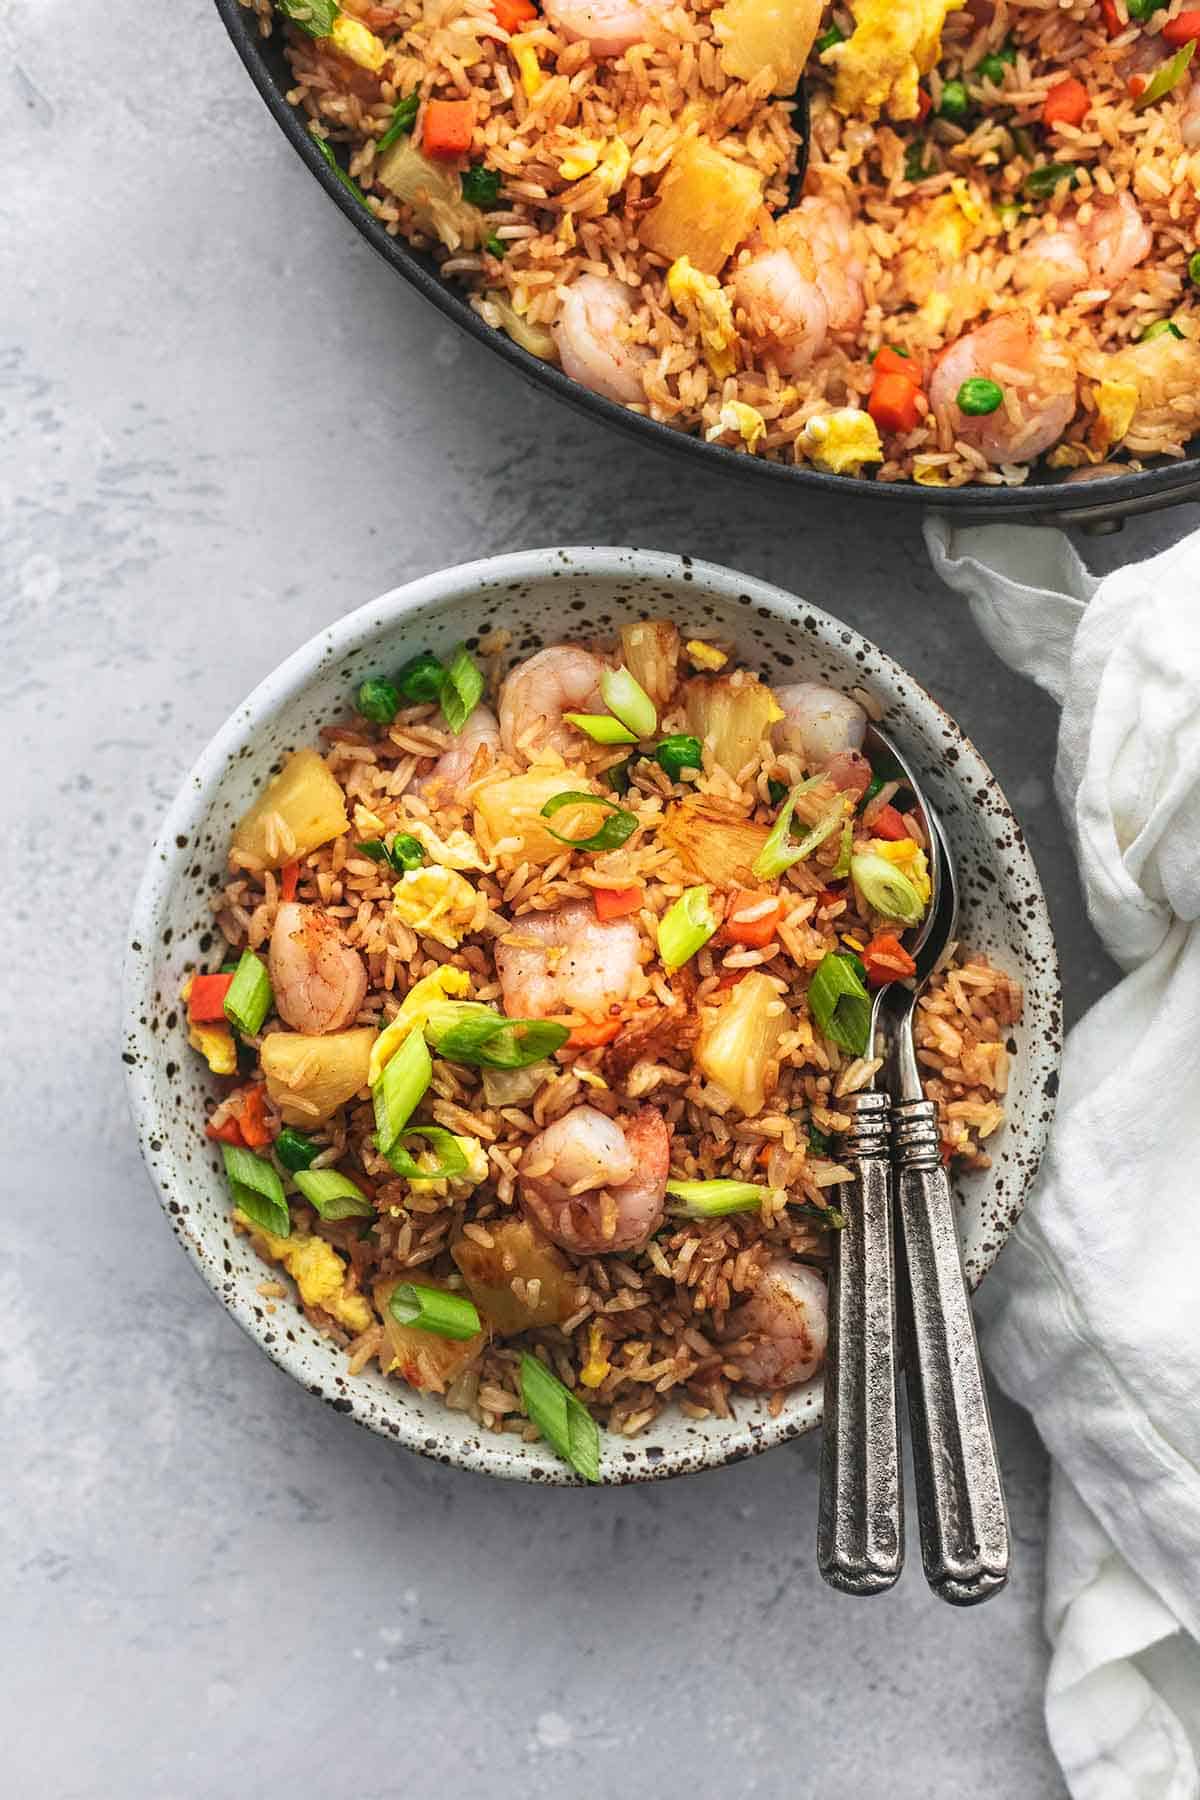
(1129, 490)
(166, 864)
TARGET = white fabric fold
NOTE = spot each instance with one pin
(1092, 1316)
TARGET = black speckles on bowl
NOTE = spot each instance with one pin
(540, 596)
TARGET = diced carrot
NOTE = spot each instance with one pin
(447, 129)
(591, 1036)
(894, 362)
(512, 14)
(1138, 85)
(615, 903)
(924, 105)
(206, 1000)
(1068, 103)
(893, 402)
(1183, 29)
(752, 918)
(1112, 21)
(229, 1132)
(886, 959)
(763, 1157)
(289, 877)
(887, 823)
(253, 1117)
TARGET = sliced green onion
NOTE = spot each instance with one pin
(914, 161)
(611, 835)
(495, 246)
(713, 1199)
(827, 39)
(777, 791)
(617, 777)
(294, 1150)
(454, 1159)
(685, 927)
(886, 889)
(420, 680)
(334, 1196)
(257, 1190)
(978, 397)
(465, 1031)
(1167, 76)
(404, 117)
(480, 186)
(564, 1422)
(841, 867)
(872, 788)
(1009, 214)
(630, 702)
(314, 16)
(779, 853)
(378, 701)
(1141, 10)
(400, 1088)
(434, 1310)
(827, 1216)
(406, 852)
(1160, 328)
(956, 102)
(248, 997)
(675, 754)
(840, 1003)
(871, 355)
(1193, 268)
(819, 1142)
(1041, 183)
(602, 727)
(462, 688)
(347, 181)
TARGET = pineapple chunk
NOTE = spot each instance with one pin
(713, 840)
(421, 1357)
(519, 1251)
(299, 810)
(738, 1040)
(707, 204)
(512, 810)
(760, 34)
(651, 652)
(434, 192)
(734, 713)
(308, 1078)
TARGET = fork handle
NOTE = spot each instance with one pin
(860, 1535)
(960, 1501)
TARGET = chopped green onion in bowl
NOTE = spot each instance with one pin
(886, 889)
(619, 825)
(685, 927)
(480, 186)
(979, 396)
(1193, 268)
(420, 680)
(827, 39)
(565, 1423)
(819, 1142)
(461, 689)
(715, 1199)
(601, 727)
(257, 1190)
(628, 701)
(402, 851)
(434, 1310)
(840, 1004)
(401, 1087)
(404, 117)
(346, 180)
(1166, 77)
(454, 1160)
(317, 17)
(1040, 183)
(675, 754)
(334, 1196)
(466, 1031)
(378, 701)
(294, 1150)
(777, 791)
(779, 852)
(1160, 328)
(248, 998)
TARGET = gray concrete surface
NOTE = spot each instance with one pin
(224, 423)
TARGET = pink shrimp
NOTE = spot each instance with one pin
(783, 1326)
(1098, 252)
(319, 982)
(1037, 404)
(591, 335)
(596, 1184)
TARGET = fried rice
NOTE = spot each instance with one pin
(407, 859)
(1046, 164)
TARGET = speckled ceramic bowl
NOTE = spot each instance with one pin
(542, 596)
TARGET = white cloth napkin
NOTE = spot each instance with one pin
(1092, 1316)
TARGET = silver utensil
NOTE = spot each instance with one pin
(860, 1521)
(961, 1512)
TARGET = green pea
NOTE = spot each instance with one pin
(956, 102)
(480, 186)
(978, 397)
(378, 701)
(1041, 183)
(991, 67)
(1194, 268)
(421, 679)
(675, 754)
(406, 852)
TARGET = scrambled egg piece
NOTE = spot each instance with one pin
(475, 1171)
(215, 1044)
(909, 856)
(614, 166)
(580, 160)
(841, 442)
(747, 421)
(530, 69)
(705, 656)
(927, 474)
(893, 44)
(597, 1365)
(457, 851)
(352, 38)
(318, 1272)
(1116, 404)
(431, 990)
(705, 305)
(439, 903)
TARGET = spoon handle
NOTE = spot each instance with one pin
(860, 1536)
(960, 1501)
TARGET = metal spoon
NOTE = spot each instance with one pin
(860, 1528)
(960, 1500)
